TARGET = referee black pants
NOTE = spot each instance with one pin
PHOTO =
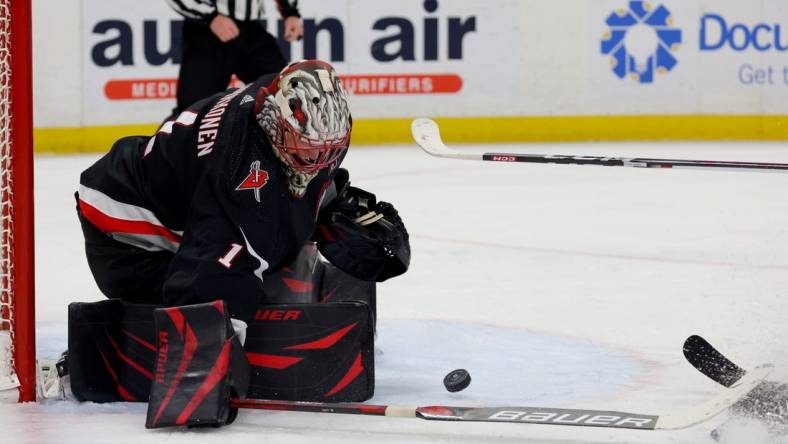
(208, 64)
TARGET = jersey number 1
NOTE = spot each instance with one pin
(229, 257)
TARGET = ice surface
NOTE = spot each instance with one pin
(555, 285)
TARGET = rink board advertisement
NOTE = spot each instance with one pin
(512, 70)
(399, 50)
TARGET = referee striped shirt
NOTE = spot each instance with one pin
(241, 10)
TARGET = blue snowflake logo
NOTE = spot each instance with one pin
(641, 41)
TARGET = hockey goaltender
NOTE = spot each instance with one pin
(235, 256)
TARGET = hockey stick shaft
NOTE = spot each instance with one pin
(427, 135)
(532, 415)
(315, 407)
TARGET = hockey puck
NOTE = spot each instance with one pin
(457, 380)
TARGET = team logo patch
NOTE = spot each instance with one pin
(256, 179)
(247, 98)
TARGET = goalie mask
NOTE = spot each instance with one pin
(304, 112)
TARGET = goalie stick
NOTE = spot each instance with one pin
(534, 415)
(763, 403)
(427, 136)
(704, 357)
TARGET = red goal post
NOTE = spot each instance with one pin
(17, 279)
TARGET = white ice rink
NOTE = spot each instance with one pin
(553, 285)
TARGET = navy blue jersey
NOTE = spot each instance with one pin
(208, 188)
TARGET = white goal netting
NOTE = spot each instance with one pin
(8, 379)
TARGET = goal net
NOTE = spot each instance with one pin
(17, 329)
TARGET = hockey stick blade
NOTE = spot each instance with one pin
(533, 415)
(704, 357)
(427, 135)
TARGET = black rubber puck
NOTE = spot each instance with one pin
(457, 380)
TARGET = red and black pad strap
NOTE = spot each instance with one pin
(199, 364)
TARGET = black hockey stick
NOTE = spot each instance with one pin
(427, 136)
(534, 415)
(704, 357)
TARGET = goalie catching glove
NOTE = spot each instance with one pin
(362, 237)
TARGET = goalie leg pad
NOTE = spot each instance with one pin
(112, 345)
(312, 352)
(111, 350)
(200, 363)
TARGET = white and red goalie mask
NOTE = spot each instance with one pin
(304, 112)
